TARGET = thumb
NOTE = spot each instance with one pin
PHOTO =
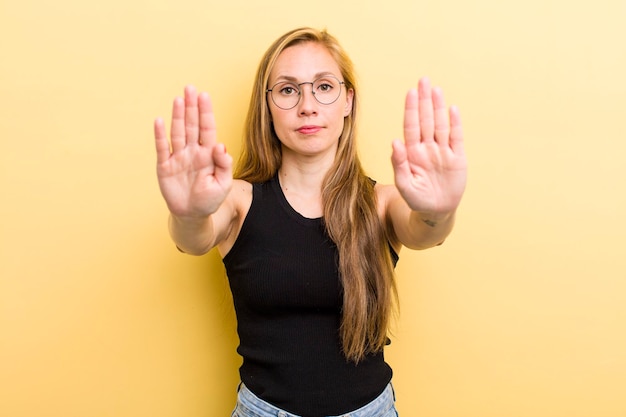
(223, 163)
(400, 163)
(398, 154)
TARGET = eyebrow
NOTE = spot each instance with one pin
(294, 79)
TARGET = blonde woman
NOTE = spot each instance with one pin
(308, 240)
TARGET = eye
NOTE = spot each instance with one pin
(287, 89)
(325, 87)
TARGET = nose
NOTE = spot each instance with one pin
(308, 102)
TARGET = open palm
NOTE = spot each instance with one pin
(195, 174)
(430, 166)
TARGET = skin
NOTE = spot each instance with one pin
(207, 206)
(307, 156)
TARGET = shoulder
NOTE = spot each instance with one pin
(241, 189)
(385, 195)
(240, 197)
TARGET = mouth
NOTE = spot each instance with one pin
(309, 130)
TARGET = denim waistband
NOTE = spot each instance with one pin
(256, 407)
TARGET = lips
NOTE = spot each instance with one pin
(309, 130)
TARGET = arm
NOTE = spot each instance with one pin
(411, 228)
(195, 175)
(430, 170)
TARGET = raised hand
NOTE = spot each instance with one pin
(430, 167)
(195, 174)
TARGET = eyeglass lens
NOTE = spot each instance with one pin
(286, 94)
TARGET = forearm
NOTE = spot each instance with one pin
(194, 236)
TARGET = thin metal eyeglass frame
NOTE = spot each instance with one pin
(269, 90)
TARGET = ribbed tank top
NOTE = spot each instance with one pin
(283, 274)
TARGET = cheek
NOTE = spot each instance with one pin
(279, 124)
(277, 116)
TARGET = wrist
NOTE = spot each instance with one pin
(195, 218)
(188, 223)
(191, 234)
(433, 219)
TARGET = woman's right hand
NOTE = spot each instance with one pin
(195, 173)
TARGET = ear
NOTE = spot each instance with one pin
(349, 100)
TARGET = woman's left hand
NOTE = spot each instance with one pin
(430, 167)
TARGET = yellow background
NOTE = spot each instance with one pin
(521, 313)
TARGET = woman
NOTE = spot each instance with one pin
(308, 240)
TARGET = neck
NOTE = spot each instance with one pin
(301, 180)
(302, 174)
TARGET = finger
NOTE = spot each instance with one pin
(223, 164)
(191, 114)
(178, 125)
(456, 131)
(208, 131)
(160, 139)
(442, 122)
(411, 118)
(425, 104)
(400, 163)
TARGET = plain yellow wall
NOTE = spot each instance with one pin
(521, 313)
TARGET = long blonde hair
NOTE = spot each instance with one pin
(350, 214)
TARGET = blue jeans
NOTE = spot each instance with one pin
(249, 405)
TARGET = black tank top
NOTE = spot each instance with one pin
(284, 278)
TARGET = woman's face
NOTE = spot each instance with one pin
(310, 128)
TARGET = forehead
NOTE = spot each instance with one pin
(304, 62)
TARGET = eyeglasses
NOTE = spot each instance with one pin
(286, 94)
